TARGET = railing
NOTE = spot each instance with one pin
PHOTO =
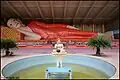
(41, 43)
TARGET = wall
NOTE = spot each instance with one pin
(9, 33)
(112, 25)
(98, 28)
(88, 27)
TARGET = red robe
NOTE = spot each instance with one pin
(54, 31)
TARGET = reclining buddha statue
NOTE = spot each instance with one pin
(36, 30)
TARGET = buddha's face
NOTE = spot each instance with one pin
(14, 23)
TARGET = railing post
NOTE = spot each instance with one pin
(70, 74)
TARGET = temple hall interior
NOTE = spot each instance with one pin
(59, 39)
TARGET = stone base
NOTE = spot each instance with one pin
(58, 73)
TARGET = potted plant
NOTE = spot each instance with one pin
(7, 44)
(98, 42)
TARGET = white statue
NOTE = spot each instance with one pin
(59, 52)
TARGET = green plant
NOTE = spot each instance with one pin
(98, 42)
(7, 44)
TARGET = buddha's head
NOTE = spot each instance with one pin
(14, 23)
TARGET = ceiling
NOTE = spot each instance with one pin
(67, 12)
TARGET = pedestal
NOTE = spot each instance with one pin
(58, 73)
(59, 57)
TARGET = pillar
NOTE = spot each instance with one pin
(83, 27)
(46, 74)
(93, 27)
(70, 74)
(103, 28)
(59, 63)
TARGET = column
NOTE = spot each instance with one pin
(46, 74)
(93, 27)
(59, 63)
(83, 27)
(70, 74)
(103, 28)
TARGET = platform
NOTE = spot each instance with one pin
(58, 72)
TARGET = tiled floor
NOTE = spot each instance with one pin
(110, 55)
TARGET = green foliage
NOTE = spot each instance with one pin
(99, 42)
(8, 43)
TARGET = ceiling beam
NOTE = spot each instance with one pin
(39, 9)
(88, 11)
(115, 15)
(76, 12)
(16, 12)
(65, 9)
(113, 11)
(25, 7)
(68, 18)
(5, 14)
(69, 6)
(51, 6)
(105, 6)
